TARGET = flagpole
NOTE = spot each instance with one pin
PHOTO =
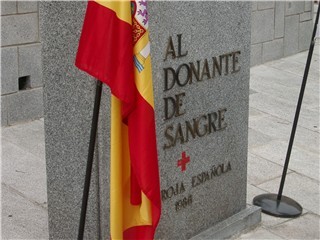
(276, 204)
(93, 135)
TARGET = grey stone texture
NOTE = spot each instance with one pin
(23, 183)
(21, 218)
(19, 29)
(256, 54)
(69, 97)
(306, 16)
(8, 7)
(202, 97)
(68, 100)
(279, 24)
(254, 5)
(305, 35)
(265, 4)
(272, 50)
(27, 6)
(27, 104)
(279, 19)
(4, 111)
(291, 35)
(9, 70)
(262, 26)
(308, 6)
(294, 7)
(30, 63)
(299, 227)
(20, 57)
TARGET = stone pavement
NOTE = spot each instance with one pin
(274, 90)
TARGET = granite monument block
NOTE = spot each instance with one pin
(201, 58)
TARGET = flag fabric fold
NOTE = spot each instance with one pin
(114, 48)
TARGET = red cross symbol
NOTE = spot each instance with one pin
(183, 161)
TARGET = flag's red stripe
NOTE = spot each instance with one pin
(139, 233)
(105, 52)
(143, 153)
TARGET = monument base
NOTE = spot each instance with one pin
(246, 219)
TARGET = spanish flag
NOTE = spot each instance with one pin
(114, 48)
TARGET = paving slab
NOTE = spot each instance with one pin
(283, 109)
(269, 221)
(290, 94)
(24, 172)
(28, 136)
(304, 227)
(280, 129)
(271, 75)
(297, 68)
(303, 162)
(260, 233)
(20, 218)
(261, 170)
(257, 138)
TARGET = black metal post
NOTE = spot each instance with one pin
(296, 117)
(276, 204)
(93, 134)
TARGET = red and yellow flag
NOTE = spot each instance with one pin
(114, 48)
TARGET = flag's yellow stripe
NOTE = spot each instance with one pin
(121, 7)
(116, 203)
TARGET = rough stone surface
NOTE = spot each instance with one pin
(272, 50)
(308, 6)
(265, 5)
(18, 29)
(306, 16)
(25, 105)
(8, 7)
(294, 7)
(30, 64)
(262, 169)
(279, 19)
(303, 227)
(4, 111)
(254, 5)
(20, 218)
(291, 35)
(260, 234)
(263, 18)
(218, 94)
(68, 100)
(22, 165)
(9, 70)
(68, 108)
(305, 35)
(256, 54)
(27, 6)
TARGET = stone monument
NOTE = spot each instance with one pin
(201, 58)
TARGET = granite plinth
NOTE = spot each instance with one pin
(200, 33)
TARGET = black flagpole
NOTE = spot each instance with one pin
(276, 204)
(93, 134)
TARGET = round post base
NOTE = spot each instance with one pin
(284, 208)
